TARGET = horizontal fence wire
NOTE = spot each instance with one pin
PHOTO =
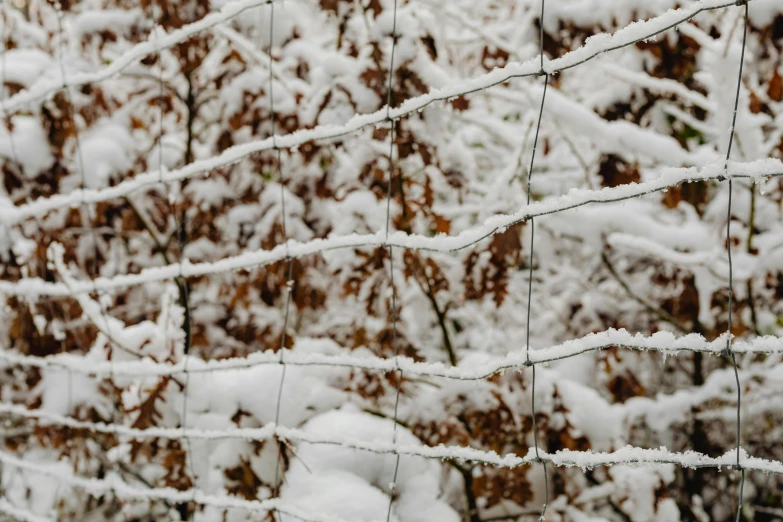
(630, 456)
(757, 171)
(565, 458)
(663, 342)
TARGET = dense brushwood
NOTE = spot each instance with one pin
(616, 120)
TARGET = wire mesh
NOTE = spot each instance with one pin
(290, 249)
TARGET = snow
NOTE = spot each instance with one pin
(83, 390)
(600, 420)
(657, 85)
(337, 492)
(585, 12)
(620, 137)
(105, 152)
(25, 66)
(115, 20)
(763, 11)
(20, 514)
(113, 484)
(319, 465)
(636, 491)
(15, 494)
(23, 248)
(27, 144)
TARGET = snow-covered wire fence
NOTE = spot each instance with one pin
(395, 345)
(593, 47)
(663, 342)
(670, 177)
(731, 266)
(289, 282)
(585, 460)
(666, 343)
(530, 266)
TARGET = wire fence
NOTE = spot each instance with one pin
(666, 343)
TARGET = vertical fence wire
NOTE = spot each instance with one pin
(160, 101)
(180, 230)
(159, 59)
(185, 298)
(110, 342)
(731, 267)
(395, 348)
(543, 73)
(289, 284)
(181, 281)
(159, 146)
(87, 213)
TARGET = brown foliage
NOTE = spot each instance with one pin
(694, 193)
(494, 485)
(775, 88)
(490, 276)
(244, 481)
(676, 57)
(614, 171)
